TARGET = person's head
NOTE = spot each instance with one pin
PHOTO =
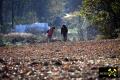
(53, 27)
(63, 25)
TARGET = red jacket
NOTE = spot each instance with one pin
(50, 32)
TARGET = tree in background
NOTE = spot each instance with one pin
(1, 14)
(103, 13)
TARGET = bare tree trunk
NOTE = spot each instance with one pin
(1, 11)
(1, 17)
(12, 13)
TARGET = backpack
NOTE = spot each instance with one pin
(47, 31)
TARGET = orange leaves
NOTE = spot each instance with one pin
(59, 60)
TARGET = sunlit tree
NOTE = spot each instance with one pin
(104, 14)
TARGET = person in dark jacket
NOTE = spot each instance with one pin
(64, 32)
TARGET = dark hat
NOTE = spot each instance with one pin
(53, 27)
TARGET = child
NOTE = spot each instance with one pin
(50, 33)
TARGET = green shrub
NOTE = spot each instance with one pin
(100, 37)
(19, 37)
(1, 40)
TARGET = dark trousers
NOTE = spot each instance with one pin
(64, 37)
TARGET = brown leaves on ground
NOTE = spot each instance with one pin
(58, 60)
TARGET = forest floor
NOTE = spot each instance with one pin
(59, 60)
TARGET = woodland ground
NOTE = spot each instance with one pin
(58, 60)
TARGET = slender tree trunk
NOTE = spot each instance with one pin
(1, 11)
(1, 16)
(113, 18)
(12, 13)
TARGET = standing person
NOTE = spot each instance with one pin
(50, 33)
(64, 32)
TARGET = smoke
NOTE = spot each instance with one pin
(35, 26)
(84, 28)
